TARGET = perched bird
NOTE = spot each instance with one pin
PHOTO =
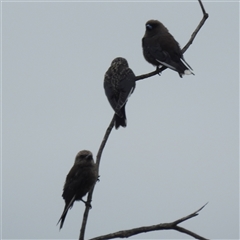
(119, 84)
(79, 181)
(161, 49)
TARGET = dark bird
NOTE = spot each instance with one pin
(161, 49)
(119, 84)
(79, 181)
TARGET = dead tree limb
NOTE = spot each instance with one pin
(164, 226)
(159, 70)
(161, 226)
(98, 159)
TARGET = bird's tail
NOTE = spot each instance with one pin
(121, 121)
(187, 68)
(182, 67)
(64, 214)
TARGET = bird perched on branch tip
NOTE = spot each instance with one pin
(161, 49)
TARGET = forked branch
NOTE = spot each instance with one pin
(161, 226)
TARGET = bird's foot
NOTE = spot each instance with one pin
(158, 70)
(87, 204)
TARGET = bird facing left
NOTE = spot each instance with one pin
(161, 49)
(79, 181)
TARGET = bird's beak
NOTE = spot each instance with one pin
(149, 27)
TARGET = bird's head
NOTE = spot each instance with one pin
(154, 26)
(119, 61)
(84, 155)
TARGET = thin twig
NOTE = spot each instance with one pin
(159, 70)
(194, 34)
(184, 230)
(98, 158)
(189, 216)
(161, 226)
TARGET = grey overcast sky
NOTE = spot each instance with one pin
(179, 150)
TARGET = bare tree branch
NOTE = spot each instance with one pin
(161, 69)
(189, 216)
(184, 230)
(161, 226)
(164, 226)
(98, 159)
(194, 34)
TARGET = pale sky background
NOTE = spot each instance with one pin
(179, 150)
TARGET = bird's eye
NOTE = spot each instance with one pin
(89, 157)
(149, 27)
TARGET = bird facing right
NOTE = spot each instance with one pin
(161, 49)
(79, 181)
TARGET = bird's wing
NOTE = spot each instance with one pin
(109, 92)
(75, 176)
(166, 64)
(73, 173)
(77, 180)
(161, 56)
(127, 86)
(186, 64)
(158, 53)
(154, 49)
